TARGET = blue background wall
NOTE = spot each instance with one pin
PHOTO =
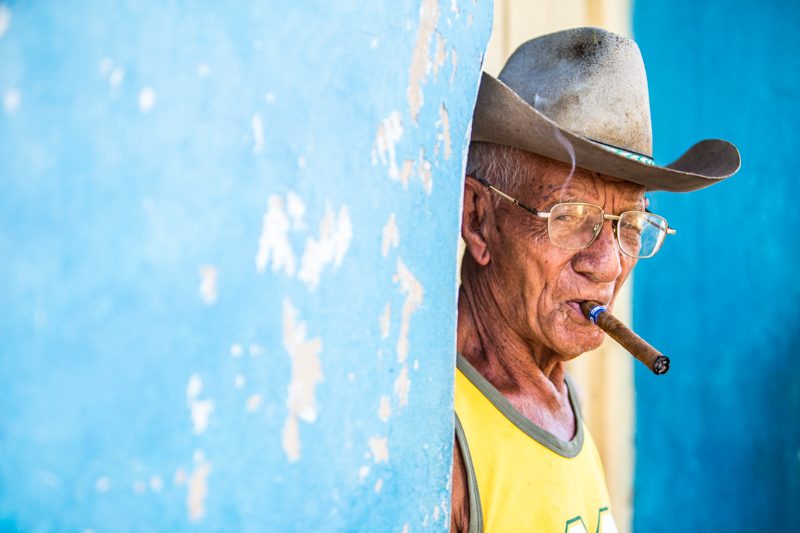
(718, 439)
(228, 237)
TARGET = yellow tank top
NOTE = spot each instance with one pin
(521, 477)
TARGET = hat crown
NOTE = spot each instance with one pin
(588, 81)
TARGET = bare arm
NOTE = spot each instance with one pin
(459, 517)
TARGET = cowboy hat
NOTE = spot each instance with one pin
(580, 96)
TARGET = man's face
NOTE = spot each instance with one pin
(542, 284)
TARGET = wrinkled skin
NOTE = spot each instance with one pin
(518, 316)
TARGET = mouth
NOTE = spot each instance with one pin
(575, 306)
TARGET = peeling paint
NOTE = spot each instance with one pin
(391, 235)
(424, 171)
(454, 62)
(239, 381)
(444, 134)
(11, 100)
(420, 58)
(378, 485)
(253, 403)
(255, 350)
(335, 234)
(236, 350)
(147, 99)
(306, 375)
(402, 387)
(198, 490)
(156, 483)
(406, 171)
(203, 70)
(5, 19)
(274, 241)
(405, 528)
(414, 295)
(103, 484)
(363, 472)
(385, 408)
(179, 478)
(257, 125)
(208, 284)
(116, 78)
(296, 210)
(385, 320)
(379, 447)
(200, 409)
(440, 57)
(390, 130)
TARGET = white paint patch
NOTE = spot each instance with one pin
(379, 446)
(147, 99)
(5, 19)
(374, 43)
(255, 350)
(253, 403)
(444, 134)
(385, 320)
(405, 528)
(156, 483)
(420, 58)
(236, 350)
(385, 408)
(436, 513)
(116, 78)
(454, 62)
(406, 171)
(414, 295)
(257, 125)
(440, 56)
(296, 210)
(274, 240)
(139, 487)
(198, 490)
(424, 171)
(270, 98)
(301, 162)
(351, 377)
(103, 484)
(200, 409)
(180, 477)
(203, 70)
(363, 472)
(335, 234)
(469, 20)
(208, 284)
(378, 485)
(454, 7)
(402, 386)
(391, 235)
(416, 364)
(390, 130)
(11, 100)
(306, 375)
(239, 381)
(106, 64)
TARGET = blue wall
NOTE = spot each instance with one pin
(228, 237)
(718, 438)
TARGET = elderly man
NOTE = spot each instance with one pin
(554, 214)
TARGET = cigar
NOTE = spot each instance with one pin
(637, 346)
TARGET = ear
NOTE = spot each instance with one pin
(474, 220)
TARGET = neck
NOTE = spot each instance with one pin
(529, 376)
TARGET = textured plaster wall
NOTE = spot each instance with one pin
(718, 439)
(228, 237)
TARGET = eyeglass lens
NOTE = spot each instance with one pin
(576, 225)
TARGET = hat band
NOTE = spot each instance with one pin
(641, 158)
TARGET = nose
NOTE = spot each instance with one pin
(600, 261)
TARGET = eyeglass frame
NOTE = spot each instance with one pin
(606, 216)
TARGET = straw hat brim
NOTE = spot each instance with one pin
(503, 117)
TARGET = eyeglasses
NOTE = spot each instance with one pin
(576, 225)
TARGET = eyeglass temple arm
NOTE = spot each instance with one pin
(512, 199)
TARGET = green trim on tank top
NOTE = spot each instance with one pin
(568, 449)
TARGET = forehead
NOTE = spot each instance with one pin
(549, 180)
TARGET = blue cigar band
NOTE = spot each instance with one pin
(595, 312)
